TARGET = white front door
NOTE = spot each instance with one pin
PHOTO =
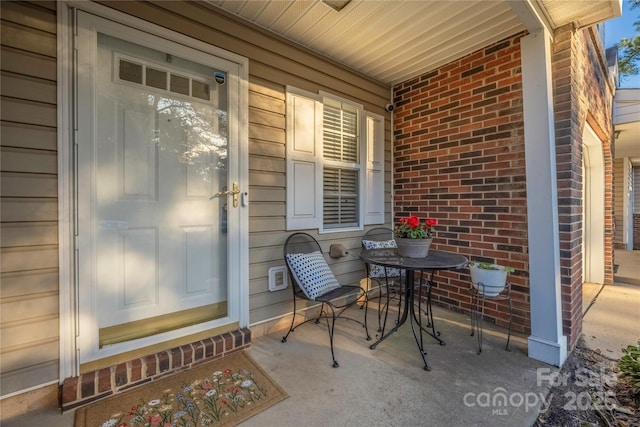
(156, 148)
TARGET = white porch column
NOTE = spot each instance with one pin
(546, 342)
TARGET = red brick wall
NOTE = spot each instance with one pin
(581, 95)
(459, 157)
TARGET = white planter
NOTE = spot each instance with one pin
(493, 281)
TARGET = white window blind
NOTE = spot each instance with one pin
(340, 132)
(340, 147)
(340, 198)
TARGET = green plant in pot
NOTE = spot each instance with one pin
(490, 278)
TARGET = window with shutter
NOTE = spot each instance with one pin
(328, 158)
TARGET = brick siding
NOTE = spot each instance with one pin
(581, 95)
(459, 157)
(94, 385)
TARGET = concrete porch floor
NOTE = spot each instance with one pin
(628, 263)
(388, 386)
(612, 313)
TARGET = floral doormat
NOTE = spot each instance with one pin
(224, 392)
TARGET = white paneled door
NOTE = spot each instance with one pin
(156, 134)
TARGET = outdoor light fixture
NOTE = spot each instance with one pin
(336, 5)
(616, 134)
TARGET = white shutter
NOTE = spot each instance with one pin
(374, 195)
(304, 169)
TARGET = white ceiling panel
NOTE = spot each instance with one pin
(581, 12)
(395, 40)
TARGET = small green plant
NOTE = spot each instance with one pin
(630, 364)
(489, 266)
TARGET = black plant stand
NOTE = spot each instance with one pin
(478, 298)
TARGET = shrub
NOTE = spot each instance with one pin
(630, 364)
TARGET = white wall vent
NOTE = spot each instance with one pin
(277, 278)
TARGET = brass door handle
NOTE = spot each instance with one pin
(234, 192)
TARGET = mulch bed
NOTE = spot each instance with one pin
(589, 391)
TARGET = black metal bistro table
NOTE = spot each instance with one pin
(434, 261)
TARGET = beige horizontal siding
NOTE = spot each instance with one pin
(267, 209)
(262, 97)
(28, 64)
(33, 355)
(28, 209)
(36, 306)
(28, 112)
(29, 39)
(27, 136)
(23, 332)
(19, 379)
(29, 88)
(263, 163)
(27, 160)
(25, 258)
(264, 178)
(14, 184)
(28, 219)
(260, 224)
(26, 15)
(264, 120)
(24, 283)
(17, 234)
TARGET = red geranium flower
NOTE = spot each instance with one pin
(413, 228)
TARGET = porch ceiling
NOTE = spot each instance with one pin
(392, 41)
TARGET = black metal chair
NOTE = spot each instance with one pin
(313, 280)
(388, 281)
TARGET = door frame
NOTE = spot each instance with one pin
(593, 195)
(238, 248)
